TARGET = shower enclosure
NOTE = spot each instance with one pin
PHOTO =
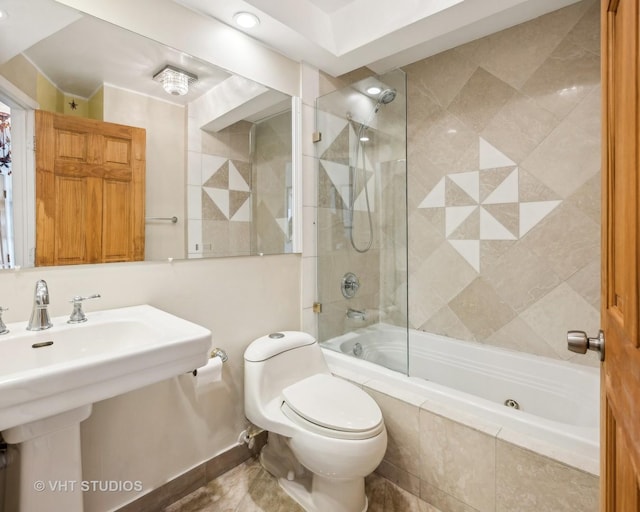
(362, 214)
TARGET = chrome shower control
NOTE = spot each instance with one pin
(349, 285)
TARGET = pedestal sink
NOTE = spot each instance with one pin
(50, 379)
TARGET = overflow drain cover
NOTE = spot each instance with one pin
(510, 402)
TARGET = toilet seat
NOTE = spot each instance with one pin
(332, 407)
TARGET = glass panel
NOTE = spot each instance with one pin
(362, 220)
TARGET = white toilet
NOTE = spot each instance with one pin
(325, 434)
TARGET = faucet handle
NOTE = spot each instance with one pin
(77, 315)
(3, 327)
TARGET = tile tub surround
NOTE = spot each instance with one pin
(468, 465)
(503, 181)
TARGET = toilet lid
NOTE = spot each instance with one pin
(333, 403)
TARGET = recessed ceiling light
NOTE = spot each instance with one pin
(3, 15)
(246, 19)
(374, 89)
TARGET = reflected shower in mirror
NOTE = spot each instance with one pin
(218, 146)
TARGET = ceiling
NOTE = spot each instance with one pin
(79, 53)
(338, 36)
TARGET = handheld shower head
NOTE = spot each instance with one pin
(386, 97)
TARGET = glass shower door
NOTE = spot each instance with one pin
(362, 220)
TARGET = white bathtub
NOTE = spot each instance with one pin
(470, 382)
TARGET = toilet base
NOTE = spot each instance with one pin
(318, 494)
(313, 492)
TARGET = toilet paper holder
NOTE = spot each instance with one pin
(216, 352)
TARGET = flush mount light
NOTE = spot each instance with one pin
(374, 90)
(246, 19)
(175, 81)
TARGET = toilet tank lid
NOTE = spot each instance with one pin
(276, 343)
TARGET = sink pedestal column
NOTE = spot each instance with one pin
(50, 462)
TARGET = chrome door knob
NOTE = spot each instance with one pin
(579, 342)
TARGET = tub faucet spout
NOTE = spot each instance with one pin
(356, 314)
(40, 315)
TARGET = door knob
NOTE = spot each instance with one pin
(579, 342)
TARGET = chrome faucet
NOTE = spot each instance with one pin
(356, 314)
(40, 315)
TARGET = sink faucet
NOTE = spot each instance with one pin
(40, 315)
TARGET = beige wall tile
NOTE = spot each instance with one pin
(565, 160)
(445, 502)
(481, 309)
(514, 54)
(520, 277)
(587, 283)
(446, 322)
(448, 141)
(567, 239)
(403, 430)
(458, 460)
(586, 115)
(586, 33)
(587, 199)
(521, 475)
(400, 477)
(519, 127)
(444, 273)
(557, 312)
(480, 99)
(564, 79)
(441, 77)
(517, 335)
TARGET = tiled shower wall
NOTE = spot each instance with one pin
(271, 179)
(235, 192)
(218, 190)
(504, 185)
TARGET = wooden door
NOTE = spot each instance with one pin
(90, 179)
(620, 372)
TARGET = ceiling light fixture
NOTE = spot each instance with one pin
(374, 90)
(246, 19)
(3, 15)
(175, 81)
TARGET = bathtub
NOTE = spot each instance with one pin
(545, 405)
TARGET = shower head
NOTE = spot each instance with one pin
(386, 97)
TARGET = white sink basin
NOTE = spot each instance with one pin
(115, 351)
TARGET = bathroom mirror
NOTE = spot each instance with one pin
(221, 169)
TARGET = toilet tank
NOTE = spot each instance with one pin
(271, 363)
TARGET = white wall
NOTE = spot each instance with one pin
(156, 433)
(165, 123)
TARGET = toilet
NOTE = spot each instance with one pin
(325, 434)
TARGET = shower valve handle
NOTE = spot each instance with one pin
(349, 285)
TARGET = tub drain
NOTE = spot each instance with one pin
(510, 402)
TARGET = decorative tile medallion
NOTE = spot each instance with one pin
(485, 204)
